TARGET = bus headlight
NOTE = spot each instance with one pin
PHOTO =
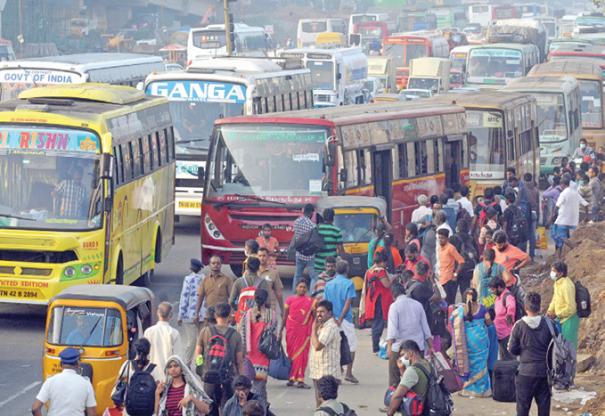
(69, 271)
(86, 269)
(212, 229)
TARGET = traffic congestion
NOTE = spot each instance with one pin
(337, 208)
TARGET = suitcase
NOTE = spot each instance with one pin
(503, 388)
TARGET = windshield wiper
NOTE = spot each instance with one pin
(17, 217)
(91, 331)
(260, 199)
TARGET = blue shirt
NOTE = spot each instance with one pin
(337, 291)
(188, 299)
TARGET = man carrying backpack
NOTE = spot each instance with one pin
(242, 292)
(302, 227)
(530, 340)
(489, 201)
(328, 393)
(515, 223)
(219, 353)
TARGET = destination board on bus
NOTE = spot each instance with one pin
(29, 138)
(199, 91)
(40, 76)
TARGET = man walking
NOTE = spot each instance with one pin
(340, 291)
(332, 238)
(325, 346)
(530, 340)
(241, 288)
(568, 215)
(215, 288)
(165, 340)
(218, 384)
(187, 319)
(68, 392)
(274, 283)
(505, 310)
(597, 194)
(302, 226)
(450, 265)
(407, 321)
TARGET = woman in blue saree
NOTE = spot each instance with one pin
(477, 382)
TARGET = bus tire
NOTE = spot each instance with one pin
(120, 271)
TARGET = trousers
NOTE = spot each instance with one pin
(377, 325)
(301, 265)
(532, 388)
(189, 334)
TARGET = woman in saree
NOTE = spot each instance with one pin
(483, 273)
(251, 327)
(477, 381)
(181, 393)
(298, 320)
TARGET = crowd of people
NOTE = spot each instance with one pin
(450, 286)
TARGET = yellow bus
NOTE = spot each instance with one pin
(86, 190)
(592, 106)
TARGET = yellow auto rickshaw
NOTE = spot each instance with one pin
(356, 217)
(103, 321)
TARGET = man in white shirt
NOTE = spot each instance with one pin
(465, 202)
(165, 340)
(568, 214)
(420, 214)
(68, 392)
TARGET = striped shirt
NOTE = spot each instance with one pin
(174, 396)
(302, 226)
(332, 237)
(326, 362)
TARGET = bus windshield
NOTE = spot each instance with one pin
(195, 105)
(486, 143)
(551, 114)
(15, 80)
(322, 74)
(267, 160)
(318, 26)
(395, 53)
(413, 52)
(50, 179)
(458, 61)
(592, 110)
(209, 39)
(495, 63)
(85, 327)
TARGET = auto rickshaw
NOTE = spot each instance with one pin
(356, 217)
(103, 321)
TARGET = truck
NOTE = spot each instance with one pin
(524, 31)
(338, 75)
(383, 68)
(432, 74)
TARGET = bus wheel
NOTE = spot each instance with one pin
(120, 272)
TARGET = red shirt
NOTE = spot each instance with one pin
(374, 288)
(411, 265)
(174, 396)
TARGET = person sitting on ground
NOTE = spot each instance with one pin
(415, 374)
(328, 395)
(242, 386)
(530, 340)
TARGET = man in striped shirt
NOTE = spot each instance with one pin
(332, 237)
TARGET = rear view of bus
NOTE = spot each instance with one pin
(211, 41)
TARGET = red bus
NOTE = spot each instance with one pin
(372, 35)
(404, 47)
(264, 168)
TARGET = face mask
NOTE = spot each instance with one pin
(553, 275)
(582, 146)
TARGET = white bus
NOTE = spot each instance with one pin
(211, 41)
(216, 88)
(111, 68)
(308, 29)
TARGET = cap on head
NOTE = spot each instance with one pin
(69, 356)
(195, 264)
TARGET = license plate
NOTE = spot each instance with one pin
(10, 293)
(190, 204)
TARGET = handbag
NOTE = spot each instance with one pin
(452, 382)
(119, 393)
(279, 368)
(269, 344)
(345, 351)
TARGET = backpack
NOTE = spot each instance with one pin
(411, 405)
(438, 400)
(518, 294)
(517, 227)
(310, 243)
(140, 394)
(582, 301)
(483, 212)
(560, 360)
(219, 358)
(245, 300)
(331, 412)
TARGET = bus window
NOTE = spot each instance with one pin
(431, 163)
(402, 153)
(365, 167)
(152, 151)
(117, 154)
(437, 156)
(137, 160)
(485, 141)
(526, 144)
(352, 170)
(510, 149)
(158, 146)
(128, 162)
(592, 116)
(420, 156)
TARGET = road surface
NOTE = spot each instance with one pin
(21, 341)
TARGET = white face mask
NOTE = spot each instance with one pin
(582, 146)
(405, 361)
(553, 275)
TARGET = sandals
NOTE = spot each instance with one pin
(302, 385)
(290, 383)
(352, 379)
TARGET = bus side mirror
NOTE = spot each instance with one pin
(339, 76)
(201, 174)
(343, 175)
(106, 166)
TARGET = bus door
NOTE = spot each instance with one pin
(383, 176)
(452, 161)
